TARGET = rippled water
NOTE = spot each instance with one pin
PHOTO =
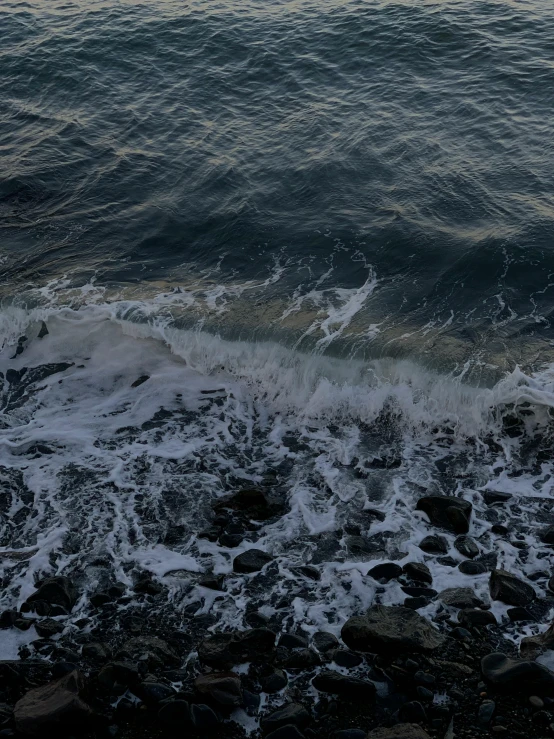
(324, 232)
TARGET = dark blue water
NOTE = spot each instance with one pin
(164, 143)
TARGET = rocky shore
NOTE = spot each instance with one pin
(139, 668)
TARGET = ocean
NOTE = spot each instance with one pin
(300, 246)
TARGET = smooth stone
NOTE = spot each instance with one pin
(434, 544)
(292, 713)
(494, 496)
(416, 592)
(412, 711)
(418, 572)
(292, 641)
(344, 658)
(486, 712)
(274, 681)
(175, 713)
(469, 567)
(476, 617)
(509, 589)
(509, 674)
(385, 572)
(547, 535)
(447, 512)
(536, 702)
(347, 687)
(389, 628)
(203, 717)
(324, 641)
(466, 546)
(223, 688)
(252, 560)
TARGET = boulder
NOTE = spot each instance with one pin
(418, 572)
(223, 688)
(324, 641)
(469, 567)
(385, 629)
(515, 675)
(452, 514)
(466, 546)
(461, 598)
(175, 714)
(400, 731)
(56, 706)
(203, 718)
(55, 591)
(494, 496)
(509, 589)
(344, 686)
(292, 713)
(547, 535)
(252, 560)
(476, 617)
(273, 681)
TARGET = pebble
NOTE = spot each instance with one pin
(536, 702)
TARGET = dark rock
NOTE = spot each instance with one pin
(152, 692)
(220, 650)
(252, 560)
(360, 545)
(499, 529)
(460, 634)
(255, 503)
(96, 651)
(301, 659)
(489, 559)
(494, 496)
(532, 647)
(343, 658)
(447, 561)
(449, 513)
(145, 585)
(175, 714)
(547, 535)
(292, 713)
(519, 676)
(424, 694)
(223, 688)
(100, 599)
(476, 617)
(312, 573)
(415, 603)
(390, 628)
(347, 687)
(292, 641)
(412, 711)
(385, 571)
(8, 619)
(466, 546)
(419, 592)
(509, 589)
(150, 651)
(418, 572)
(230, 541)
(324, 641)
(434, 544)
(290, 731)
(56, 706)
(273, 682)
(400, 731)
(48, 628)
(203, 717)
(469, 567)
(460, 598)
(58, 591)
(349, 734)
(213, 582)
(142, 379)
(519, 614)
(486, 712)
(59, 669)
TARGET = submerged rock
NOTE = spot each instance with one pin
(434, 544)
(55, 591)
(466, 546)
(385, 571)
(461, 598)
(452, 514)
(56, 706)
(509, 589)
(386, 629)
(418, 571)
(252, 560)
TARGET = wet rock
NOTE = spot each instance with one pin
(56, 706)
(494, 496)
(213, 582)
(290, 731)
(48, 628)
(476, 617)
(203, 718)
(349, 734)
(325, 641)
(312, 573)
(390, 628)
(140, 381)
(532, 647)
(55, 591)
(117, 677)
(292, 713)
(469, 567)
(301, 659)
(223, 688)
(252, 560)
(152, 692)
(400, 731)
(216, 650)
(150, 651)
(415, 603)
(486, 712)
(96, 651)
(519, 676)
(175, 714)
(344, 658)
(519, 615)
(360, 545)
(509, 589)
(229, 649)
(100, 599)
(274, 681)
(547, 535)
(434, 544)
(255, 503)
(412, 711)
(460, 598)
(385, 571)
(145, 585)
(419, 591)
(292, 641)
(8, 619)
(460, 634)
(347, 687)
(499, 529)
(418, 572)
(466, 546)
(230, 541)
(447, 561)
(452, 514)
